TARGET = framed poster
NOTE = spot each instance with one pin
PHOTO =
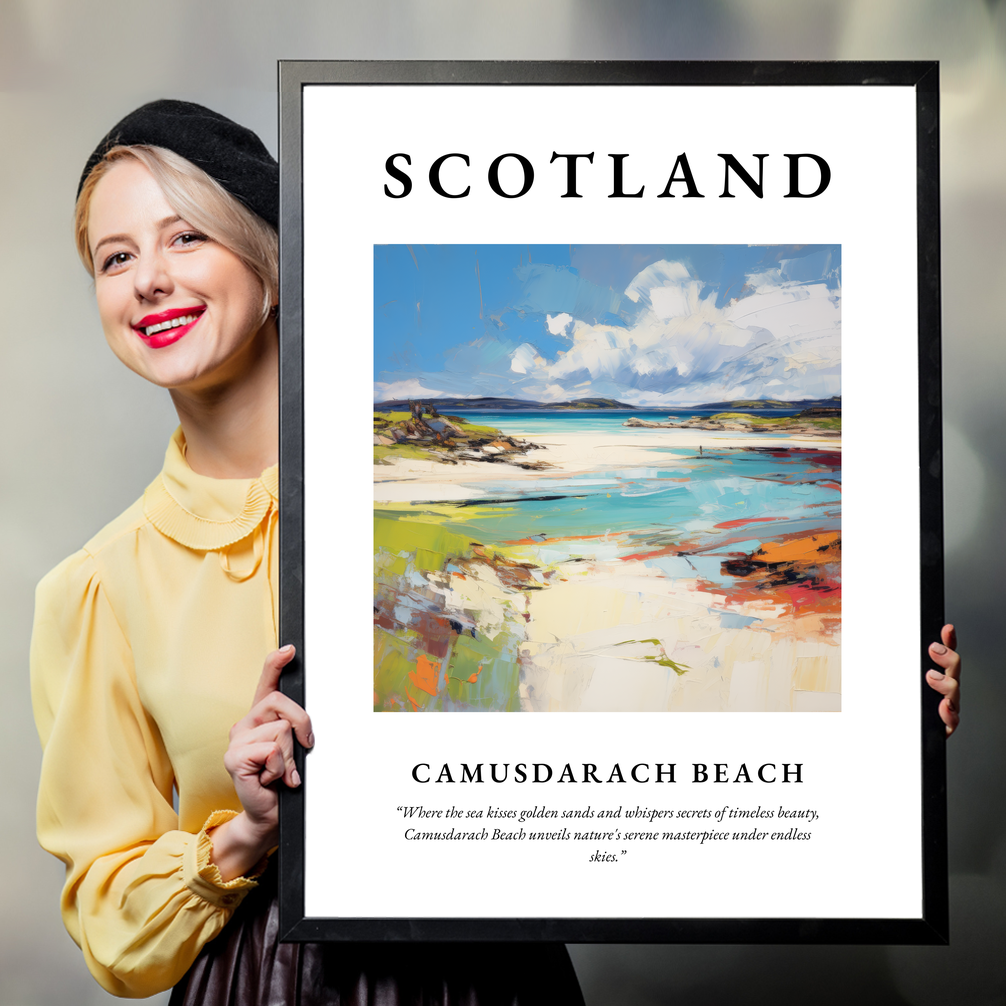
(611, 501)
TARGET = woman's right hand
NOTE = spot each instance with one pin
(260, 753)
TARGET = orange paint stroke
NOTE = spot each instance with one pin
(740, 522)
(717, 547)
(425, 675)
(655, 554)
(814, 560)
(800, 547)
(548, 541)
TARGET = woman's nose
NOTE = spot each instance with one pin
(152, 277)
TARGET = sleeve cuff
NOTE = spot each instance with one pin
(202, 876)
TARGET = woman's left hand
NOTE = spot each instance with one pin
(947, 682)
(260, 754)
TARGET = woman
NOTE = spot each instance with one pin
(148, 643)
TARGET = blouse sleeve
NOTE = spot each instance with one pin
(141, 898)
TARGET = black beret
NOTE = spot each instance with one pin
(230, 154)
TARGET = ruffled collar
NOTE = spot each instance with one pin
(203, 513)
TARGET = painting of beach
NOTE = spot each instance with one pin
(607, 478)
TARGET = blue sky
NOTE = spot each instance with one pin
(648, 324)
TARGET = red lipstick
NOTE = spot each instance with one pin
(166, 327)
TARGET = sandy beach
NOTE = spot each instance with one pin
(610, 636)
(590, 625)
(402, 480)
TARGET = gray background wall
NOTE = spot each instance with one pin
(81, 436)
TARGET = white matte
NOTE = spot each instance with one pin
(861, 767)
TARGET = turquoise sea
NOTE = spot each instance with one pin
(733, 498)
(531, 422)
(660, 549)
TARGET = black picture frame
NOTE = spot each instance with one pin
(931, 927)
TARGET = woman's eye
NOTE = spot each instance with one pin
(114, 261)
(190, 238)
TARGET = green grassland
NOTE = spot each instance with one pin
(768, 422)
(471, 670)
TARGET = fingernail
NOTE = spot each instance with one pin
(938, 648)
(295, 777)
(310, 740)
(936, 675)
(287, 649)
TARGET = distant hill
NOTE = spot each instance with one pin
(498, 404)
(520, 404)
(767, 403)
(591, 403)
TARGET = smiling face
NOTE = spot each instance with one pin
(177, 307)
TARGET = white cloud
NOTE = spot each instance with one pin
(524, 358)
(398, 390)
(781, 339)
(656, 277)
(682, 348)
(554, 393)
(558, 323)
(669, 302)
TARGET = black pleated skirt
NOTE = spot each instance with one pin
(246, 965)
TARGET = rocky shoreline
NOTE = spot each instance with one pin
(810, 422)
(447, 439)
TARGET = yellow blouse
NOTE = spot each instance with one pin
(147, 647)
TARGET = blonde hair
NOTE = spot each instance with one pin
(199, 200)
